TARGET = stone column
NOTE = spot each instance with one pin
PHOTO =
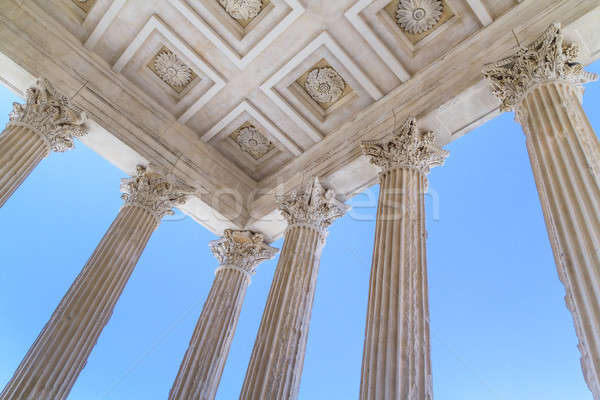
(60, 352)
(396, 357)
(46, 122)
(542, 84)
(277, 359)
(239, 253)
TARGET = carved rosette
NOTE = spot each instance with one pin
(50, 115)
(325, 85)
(418, 16)
(154, 191)
(314, 206)
(172, 70)
(253, 142)
(242, 249)
(242, 9)
(546, 59)
(408, 148)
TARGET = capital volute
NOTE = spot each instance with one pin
(154, 190)
(242, 250)
(50, 115)
(313, 206)
(546, 59)
(407, 148)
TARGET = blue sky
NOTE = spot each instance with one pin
(499, 326)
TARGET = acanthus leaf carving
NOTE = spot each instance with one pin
(50, 115)
(408, 148)
(242, 249)
(154, 190)
(313, 205)
(546, 59)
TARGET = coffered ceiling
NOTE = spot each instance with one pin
(277, 89)
(270, 54)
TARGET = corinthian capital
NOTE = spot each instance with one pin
(50, 115)
(546, 59)
(313, 205)
(242, 249)
(154, 190)
(408, 148)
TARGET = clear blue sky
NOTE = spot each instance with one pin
(500, 329)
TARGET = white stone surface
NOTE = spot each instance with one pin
(396, 357)
(542, 83)
(97, 59)
(433, 82)
(277, 359)
(21, 151)
(565, 158)
(239, 253)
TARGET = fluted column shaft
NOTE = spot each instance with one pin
(396, 360)
(565, 156)
(542, 83)
(277, 359)
(21, 150)
(204, 360)
(239, 253)
(396, 357)
(60, 352)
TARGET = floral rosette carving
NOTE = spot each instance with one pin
(544, 60)
(408, 148)
(418, 16)
(154, 191)
(242, 249)
(50, 115)
(324, 85)
(242, 9)
(314, 205)
(253, 142)
(172, 70)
